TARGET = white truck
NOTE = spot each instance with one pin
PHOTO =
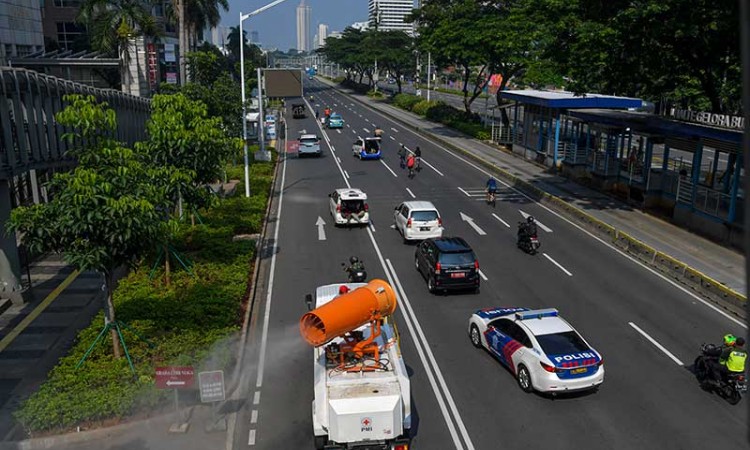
(362, 394)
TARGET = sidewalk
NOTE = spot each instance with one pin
(713, 260)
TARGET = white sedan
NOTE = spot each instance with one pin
(539, 347)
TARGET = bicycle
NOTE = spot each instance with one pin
(491, 198)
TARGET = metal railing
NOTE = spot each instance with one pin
(30, 138)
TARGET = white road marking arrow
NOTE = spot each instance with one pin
(541, 225)
(321, 231)
(471, 223)
(175, 383)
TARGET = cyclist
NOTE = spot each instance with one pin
(418, 157)
(402, 156)
(491, 189)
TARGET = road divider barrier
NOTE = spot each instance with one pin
(709, 288)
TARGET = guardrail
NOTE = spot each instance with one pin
(688, 276)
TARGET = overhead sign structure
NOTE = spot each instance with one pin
(282, 83)
(175, 377)
(211, 386)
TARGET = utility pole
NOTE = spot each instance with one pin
(429, 61)
(183, 41)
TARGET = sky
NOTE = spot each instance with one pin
(277, 27)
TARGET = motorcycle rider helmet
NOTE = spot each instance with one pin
(739, 342)
(530, 220)
(730, 340)
(353, 260)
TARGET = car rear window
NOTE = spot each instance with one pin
(309, 141)
(562, 343)
(352, 205)
(424, 216)
(457, 259)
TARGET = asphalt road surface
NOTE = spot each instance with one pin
(647, 329)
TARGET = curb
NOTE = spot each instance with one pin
(708, 287)
(82, 436)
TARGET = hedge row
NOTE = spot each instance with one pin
(190, 322)
(438, 111)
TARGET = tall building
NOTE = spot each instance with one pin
(322, 35)
(20, 28)
(390, 14)
(304, 13)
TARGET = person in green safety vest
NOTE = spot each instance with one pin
(734, 358)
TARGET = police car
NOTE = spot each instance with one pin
(539, 347)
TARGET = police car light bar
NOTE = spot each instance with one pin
(536, 314)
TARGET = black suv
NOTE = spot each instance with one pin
(447, 263)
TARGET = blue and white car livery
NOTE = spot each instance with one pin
(539, 347)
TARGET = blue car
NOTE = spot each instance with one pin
(335, 121)
(367, 148)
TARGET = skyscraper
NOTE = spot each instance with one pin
(390, 14)
(303, 27)
(322, 35)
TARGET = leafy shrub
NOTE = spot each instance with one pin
(375, 94)
(483, 135)
(189, 322)
(444, 113)
(406, 101)
(422, 107)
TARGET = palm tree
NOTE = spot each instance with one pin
(113, 24)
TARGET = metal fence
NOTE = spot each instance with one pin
(30, 138)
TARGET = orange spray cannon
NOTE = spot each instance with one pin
(347, 312)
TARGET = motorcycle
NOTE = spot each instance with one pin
(355, 274)
(732, 388)
(530, 244)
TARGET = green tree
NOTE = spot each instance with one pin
(222, 99)
(675, 51)
(394, 51)
(456, 32)
(205, 66)
(104, 214)
(113, 24)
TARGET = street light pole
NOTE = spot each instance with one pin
(429, 61)
(244, 17)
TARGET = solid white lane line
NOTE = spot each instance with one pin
(432, 167)
(481, 274)
(394, 129)
(251, 438)
(254, 416)
(411, 193)
(467, 194)
(392, 138)
(557, 264)
(501, 220)
(366, 130)
(372, 227)
(428, 351)
(338, 159)
(540, 224)
(256, 398)
(658, 345)
(267, 312)
(346, 174)
(389, 169)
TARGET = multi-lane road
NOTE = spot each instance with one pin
(647, 329)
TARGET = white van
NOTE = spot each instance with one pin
(418, 220)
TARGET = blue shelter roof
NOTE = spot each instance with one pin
(567, 100)
(658, 125)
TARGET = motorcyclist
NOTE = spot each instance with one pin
(717, 356)
(733, 358)
(355, 265)
(402, 156)
(526, 229)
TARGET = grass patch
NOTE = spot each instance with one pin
(190, 322)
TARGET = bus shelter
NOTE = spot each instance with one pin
(538, 126)
(693, 171)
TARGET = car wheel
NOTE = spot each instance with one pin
(524, 379)
(476, 339)
(320, 441)
(431, 285)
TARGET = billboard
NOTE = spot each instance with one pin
(283, 82)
